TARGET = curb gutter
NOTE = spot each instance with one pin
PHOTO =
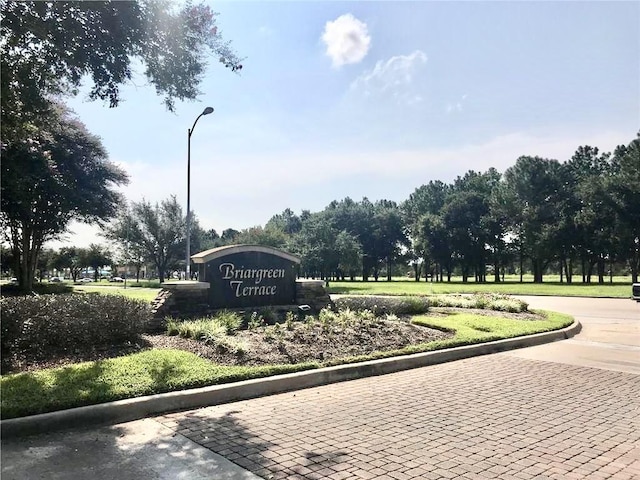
(136, 408)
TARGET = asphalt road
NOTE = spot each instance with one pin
(610, 336)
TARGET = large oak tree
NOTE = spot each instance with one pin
(60, 173)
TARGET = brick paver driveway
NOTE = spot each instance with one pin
(496, 416)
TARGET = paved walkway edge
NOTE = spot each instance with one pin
(137, 408)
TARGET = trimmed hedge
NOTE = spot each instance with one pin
(485, 301)
(54, 324)
(381, 305)
(384, 305)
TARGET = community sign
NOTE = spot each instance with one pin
(248, 276)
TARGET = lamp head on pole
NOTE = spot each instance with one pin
(207, 111)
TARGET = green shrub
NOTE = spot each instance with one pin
(45, 325)
(269, 315)
(209, 329)
(502, 303)
(255, 321)
(384, 305)
(9, 290)
(172, 326)
(232, 321)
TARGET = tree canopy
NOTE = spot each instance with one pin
(60, 173)
(156, 232)
(50, 48)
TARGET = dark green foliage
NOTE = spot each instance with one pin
(61, 173)
(384, 305)
(48, 325)
(38, 289)
(269, 315)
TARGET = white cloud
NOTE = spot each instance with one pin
(393, 77)
(347, 40)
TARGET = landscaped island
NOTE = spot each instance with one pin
(73, 350)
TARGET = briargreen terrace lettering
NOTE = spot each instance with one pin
(236, 277)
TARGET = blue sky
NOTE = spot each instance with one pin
(374, 99)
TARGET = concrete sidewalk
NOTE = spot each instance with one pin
(138, 450)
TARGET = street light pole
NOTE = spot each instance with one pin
(206, 111)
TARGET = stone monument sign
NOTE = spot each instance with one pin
(248, 276)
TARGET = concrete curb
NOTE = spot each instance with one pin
(137, 408)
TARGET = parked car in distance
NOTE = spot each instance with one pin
(116, 279)
(635, 292)
(86, 280)
(56, 279)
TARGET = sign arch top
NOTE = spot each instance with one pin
(214, 253)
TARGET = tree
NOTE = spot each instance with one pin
(426, 200)
(532, 189)
(258, 235)
(462, 217)
(591, 209)
(624, 185)
(158, 231)
(49, 48)
(349, 254)
(73, 258)
(59, 173)
(45, 262)
(229, 236)
(316, 245)
(96, 257)
(388, 235)
(287, 222)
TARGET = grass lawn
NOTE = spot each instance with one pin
(618, 289)
(140, 293)
(157, 371)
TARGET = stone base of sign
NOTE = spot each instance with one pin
(313, 293)
(188, 299)
(180, 300)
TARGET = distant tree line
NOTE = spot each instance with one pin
(580, 217)
(540, 216)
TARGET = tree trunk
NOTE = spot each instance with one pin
(416, 272)
(600, 266)
(561, 268)
(388, 269)
(160, 273)
(611, 270)
(496, 271)
(590, 271)
(634, 263)
(521, 265)
(537, 270)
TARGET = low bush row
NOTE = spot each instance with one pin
(502, 303)
(45, 325)
(417, 305)
(384, 305)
